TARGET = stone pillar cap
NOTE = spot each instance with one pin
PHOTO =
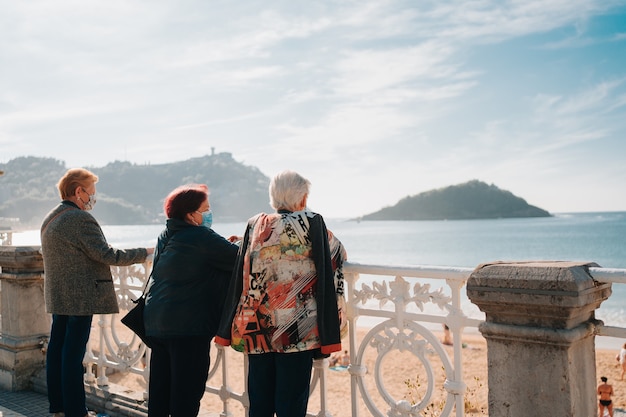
(21, 262)
(559, 294)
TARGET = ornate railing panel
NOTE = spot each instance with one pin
(394, 296)
(113, 347)
(408, 301)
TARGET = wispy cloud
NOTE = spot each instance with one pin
(378, 90)
(238, 118)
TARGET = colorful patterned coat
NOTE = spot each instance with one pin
(284, 296)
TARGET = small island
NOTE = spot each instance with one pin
(471, 200)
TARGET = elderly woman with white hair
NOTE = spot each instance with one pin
(282, 308)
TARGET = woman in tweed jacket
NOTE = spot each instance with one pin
(77, 284)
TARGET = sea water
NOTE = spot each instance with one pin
(588, 237)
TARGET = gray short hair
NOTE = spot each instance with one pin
(287, 189)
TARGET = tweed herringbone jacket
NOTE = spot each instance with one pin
(77, 263)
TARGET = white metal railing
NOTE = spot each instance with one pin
(6, 237)
(395, 314)
(112, 346)
(409, 298)
(7, 228)
(614, 276)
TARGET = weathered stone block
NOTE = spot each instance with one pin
(539, 327)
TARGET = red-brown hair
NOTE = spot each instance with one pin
(185, 199)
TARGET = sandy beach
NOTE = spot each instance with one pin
(401, 375)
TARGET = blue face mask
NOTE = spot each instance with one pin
(207, 219)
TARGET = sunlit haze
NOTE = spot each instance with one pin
(371, 100)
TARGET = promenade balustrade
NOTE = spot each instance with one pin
(6, 234)
(396, 315)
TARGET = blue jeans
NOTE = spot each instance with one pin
(179, 368)
(279, 383)
(64, 364)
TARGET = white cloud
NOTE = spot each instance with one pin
(402, 96)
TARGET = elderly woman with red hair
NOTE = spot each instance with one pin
(184, 301)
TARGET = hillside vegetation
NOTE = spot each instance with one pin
(133, 194)
(471, 200)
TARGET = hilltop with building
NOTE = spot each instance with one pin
(130, 193)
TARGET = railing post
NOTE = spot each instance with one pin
(540, 336)
(24, 325)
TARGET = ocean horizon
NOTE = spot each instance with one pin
(585, 237)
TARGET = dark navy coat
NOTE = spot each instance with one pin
(189, 281)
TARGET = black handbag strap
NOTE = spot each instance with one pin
(45, 226)
(145, 286)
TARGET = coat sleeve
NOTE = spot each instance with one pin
(222, 253)
(234, 294)
(91, 238)
(326, 298)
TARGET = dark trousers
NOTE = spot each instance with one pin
(179, 368)
(279, 383)
(64, 364)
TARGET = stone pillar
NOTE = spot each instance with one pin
(24, 323)
(540, 328)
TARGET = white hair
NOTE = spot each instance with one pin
(287, 189)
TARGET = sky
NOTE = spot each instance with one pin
(372, 101)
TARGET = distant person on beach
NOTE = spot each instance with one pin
(77, 284)
(185, 297)
(447, 339)
(282, 306)
(621, 357)
(605, 391)
(339, 360)
(344, 360)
